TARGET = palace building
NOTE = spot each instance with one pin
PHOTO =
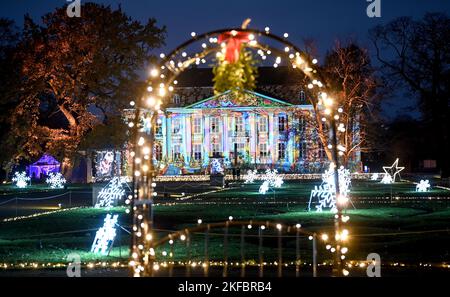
(271, 127)
(254, 130)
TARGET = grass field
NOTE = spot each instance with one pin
(394, 221)
(7, 189)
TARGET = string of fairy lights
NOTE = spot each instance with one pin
(200, 264)
(167, 258)
(163, 81)
(290, 176)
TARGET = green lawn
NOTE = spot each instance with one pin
(6, 189)
(50, 238)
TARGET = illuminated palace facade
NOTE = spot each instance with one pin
(272, 127)
(254, 129)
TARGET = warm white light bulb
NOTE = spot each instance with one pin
(154, 72)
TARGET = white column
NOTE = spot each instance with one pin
(273, 136)
(183, 136)
(169, 138)
(188, 137)
(163, 119)
(253, 140)
(225, 138)
(290, 143)
(206, 140)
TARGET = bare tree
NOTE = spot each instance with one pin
(350, 76)
(416, 55)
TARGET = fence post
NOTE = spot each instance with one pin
(225, 251)
(120, 242)
(260, 252)
(314, 255)
(188, 247)
(297, 253)
(171, 263)
(280, 256)
(280, 253)
(242, 251)
(206, 266)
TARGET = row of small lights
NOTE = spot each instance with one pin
(18, 218)
(263, 227)
(387, 200)
(92, 265)
(289, 176)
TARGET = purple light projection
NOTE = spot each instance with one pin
(45, 165)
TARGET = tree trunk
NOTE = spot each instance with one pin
(68, 115)
(67, 168)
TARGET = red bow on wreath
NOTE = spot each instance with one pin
(233, 41)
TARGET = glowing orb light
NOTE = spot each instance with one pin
(104, 237)
(56, 180)
(21, 179)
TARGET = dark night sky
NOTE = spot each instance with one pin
(322, 20)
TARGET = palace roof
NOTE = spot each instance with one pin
(229, 100)
(283, 83)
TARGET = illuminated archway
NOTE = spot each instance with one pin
(163, 81)
(163, 75)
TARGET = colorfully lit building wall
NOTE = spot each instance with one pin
(264, 131)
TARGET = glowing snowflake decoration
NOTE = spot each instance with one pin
(216, 167)
(423, 186)
(326, 192)
(375, 176)
(264, 188)
(56, 180)
(387, 179)
(325, 196)
(111, 193)
(250, 177)
(21, 179)
(104, 237)
(278, 182)
(271, 180)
